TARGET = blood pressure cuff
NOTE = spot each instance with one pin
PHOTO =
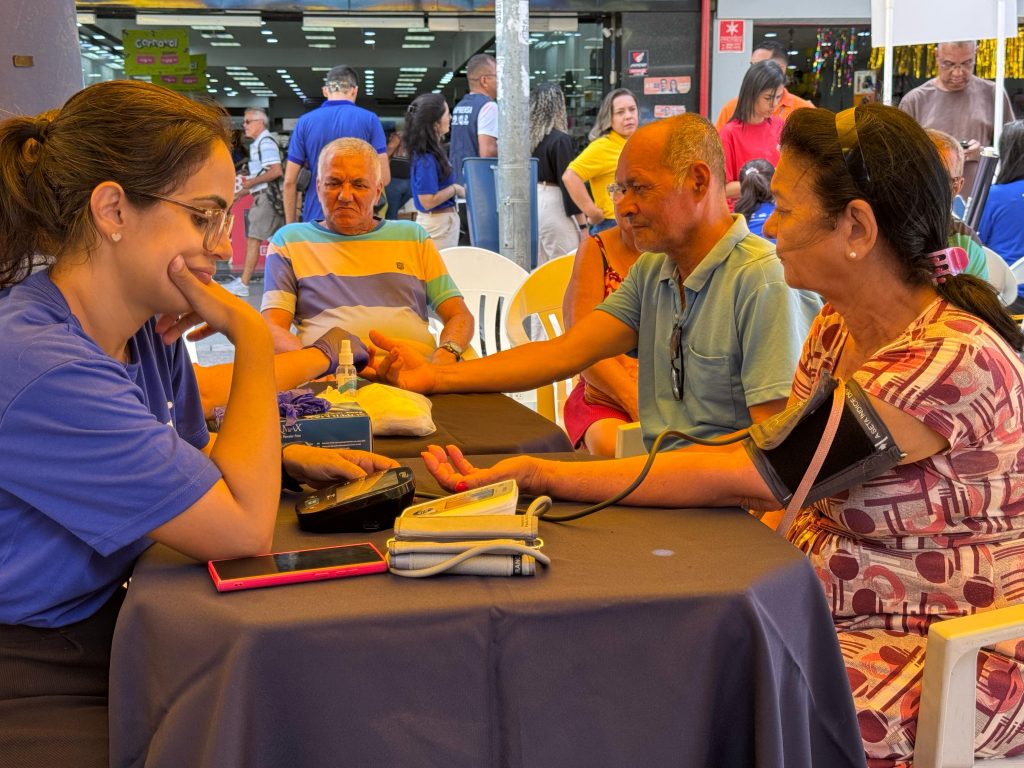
(781, 447)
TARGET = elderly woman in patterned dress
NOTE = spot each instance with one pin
(861, 217)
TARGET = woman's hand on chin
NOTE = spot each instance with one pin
(454, 472)
(212, 308)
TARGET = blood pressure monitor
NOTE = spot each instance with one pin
(369, 503)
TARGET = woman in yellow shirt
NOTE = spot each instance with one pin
(617, 119)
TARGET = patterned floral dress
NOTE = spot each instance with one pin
(939, 538)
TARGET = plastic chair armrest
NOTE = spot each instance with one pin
(945, 724)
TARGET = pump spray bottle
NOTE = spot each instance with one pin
(346, 373)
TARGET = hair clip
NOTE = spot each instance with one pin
(949, 262)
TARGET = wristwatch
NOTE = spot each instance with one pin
(454, 348)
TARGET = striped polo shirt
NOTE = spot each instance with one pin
(384, 280)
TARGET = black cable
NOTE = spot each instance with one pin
(643, 472)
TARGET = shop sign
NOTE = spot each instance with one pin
(730, 35)
(638, 63)
(156, 52)
(666, 84)
(193, 81)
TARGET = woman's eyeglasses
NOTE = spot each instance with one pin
(217, 219)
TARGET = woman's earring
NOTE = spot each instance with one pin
(851, 255)
(115, 236)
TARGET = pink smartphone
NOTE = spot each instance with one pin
(300, 565)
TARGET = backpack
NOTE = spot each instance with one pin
(275, 188)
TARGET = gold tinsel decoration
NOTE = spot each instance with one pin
(919, 60)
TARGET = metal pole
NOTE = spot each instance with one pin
(889, 56)
(997, 123)
(512, 36)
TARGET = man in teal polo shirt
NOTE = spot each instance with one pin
(705, 309)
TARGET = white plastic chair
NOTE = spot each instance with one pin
(629, 440)
(1017, 268)
(1001, 276)
(945, 723)
(487, 281)
(541, 296)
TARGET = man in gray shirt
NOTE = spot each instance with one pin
(958, 103)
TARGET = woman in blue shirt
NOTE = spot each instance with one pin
(431, 176)
(123, 194)
(756, 202)
(1002, 221)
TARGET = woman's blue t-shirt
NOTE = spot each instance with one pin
(425, 179)
(97, 453)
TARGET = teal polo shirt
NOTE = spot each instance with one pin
(742, 332)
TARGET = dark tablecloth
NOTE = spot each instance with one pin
(481, 424)
(657, 637)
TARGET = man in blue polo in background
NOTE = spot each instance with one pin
(336, 118)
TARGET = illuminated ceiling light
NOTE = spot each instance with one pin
(368, 33)
(215, 44)
(364, 22)
(415, 45)
(188, 20)
(457, 24)
(271, 40)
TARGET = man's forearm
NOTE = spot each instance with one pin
(284, 340)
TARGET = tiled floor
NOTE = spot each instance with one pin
(217, 349)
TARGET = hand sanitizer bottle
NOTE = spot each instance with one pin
(346, 373)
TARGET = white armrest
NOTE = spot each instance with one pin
(945, 724)
(629, 440)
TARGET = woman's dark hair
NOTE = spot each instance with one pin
(761, 77)
(755, 186)
(1011, 153)
(420, 134)
(146, 138)
(895, 168)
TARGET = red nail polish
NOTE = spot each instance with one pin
(461, 486)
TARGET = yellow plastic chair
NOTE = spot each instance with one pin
(945, 723)
(540, 297)
(487, 281)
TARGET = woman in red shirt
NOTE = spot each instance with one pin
(752, 133)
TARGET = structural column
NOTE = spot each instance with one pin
(40, 61)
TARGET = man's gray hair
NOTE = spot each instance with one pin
(959, 44)
(691, 138)
(259, 113)
(948, 148)
(349, 146)
(477, 64)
